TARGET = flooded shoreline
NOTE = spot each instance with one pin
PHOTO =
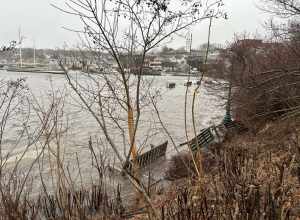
(79, 126)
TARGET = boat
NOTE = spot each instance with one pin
(171, 85)
(188, 84)
(29, 67)
(147, 71)
(51, 71)
(33, 70)
(179, 74)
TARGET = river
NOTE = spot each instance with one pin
(81, 125)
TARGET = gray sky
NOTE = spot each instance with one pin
(39, 21)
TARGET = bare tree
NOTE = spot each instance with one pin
(130, 29)
(282, 8)
(25, 131)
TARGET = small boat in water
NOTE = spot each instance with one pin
(188, 84)
(171, 85)
(51, 71)
(147, 71)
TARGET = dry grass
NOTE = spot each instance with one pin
(93, 203)
(252, 177)
(265, 79)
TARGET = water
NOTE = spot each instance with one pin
(81, 125)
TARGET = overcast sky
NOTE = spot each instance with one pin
(39, 21)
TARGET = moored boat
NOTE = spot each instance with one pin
(33, 70)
